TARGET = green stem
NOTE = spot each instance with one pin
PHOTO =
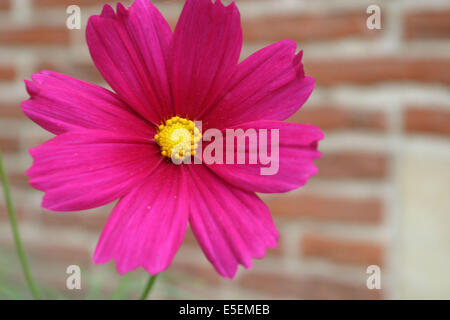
(15, 229)
(148, 287)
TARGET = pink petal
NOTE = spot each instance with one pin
(204, 53)
(130, 49)
(86, 169)
(60, 103)
(297, 152)
(148, 225)
(269, 85)
(231, 225)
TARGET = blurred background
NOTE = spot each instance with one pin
(381, 197)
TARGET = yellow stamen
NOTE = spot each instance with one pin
(178, 137)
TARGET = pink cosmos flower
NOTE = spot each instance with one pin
(110, 145)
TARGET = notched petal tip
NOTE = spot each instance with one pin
(298, 64)
(47, 72)
(42, 75)
(39, 77)
(212, 4)
(228, 274)
(107, 12)
(220, 4)
(321, 136)
(298, 58)
(232, 7)
(31, 88)
(122, 11)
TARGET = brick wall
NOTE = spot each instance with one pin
(381, 196)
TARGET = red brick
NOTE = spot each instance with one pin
(5, 4)
(190, 240)
(51, 252)
(343, 251)
(427, 120)
(427, 25)
(327, 208)
(375, 70)
(35, 36)
(307, 27)
(338, 118)
(352, 165)
(18, 179)
(59, 252)
(9, 144)
(88, 220)
(281, 286)
(7, 73)
(197, 272)
(276, 252)
(4, 212)
(34, 141)
(11, 111)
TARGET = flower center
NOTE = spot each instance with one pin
(178, 137)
